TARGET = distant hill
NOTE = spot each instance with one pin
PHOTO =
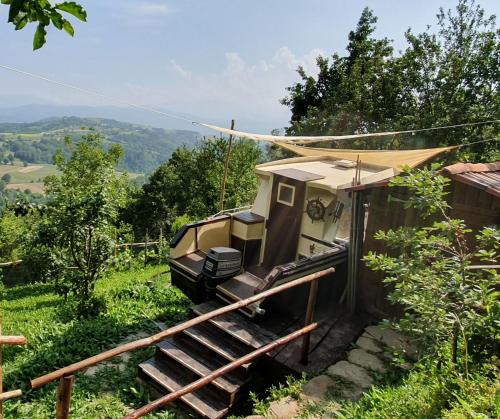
(145, 147)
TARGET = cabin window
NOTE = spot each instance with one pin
(286, 194)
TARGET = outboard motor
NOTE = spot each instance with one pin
(221, 263)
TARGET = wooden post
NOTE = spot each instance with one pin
(7, 340)
(226, 165)
(146, 249)
(64, 396)
(1, 370)
(131, 252)
(156, 404)
(311, 303)
(160, 245)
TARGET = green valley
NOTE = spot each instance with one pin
(144, 147)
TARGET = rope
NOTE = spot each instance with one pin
(91, 92)
(240, 134)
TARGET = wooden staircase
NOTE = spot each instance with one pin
(201, 349)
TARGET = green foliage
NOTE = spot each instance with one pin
(189, 184)
(428, 392)
(7, 177)
(12, 229)
(447, 304)
(22, 12)
(134, 301)
(180, 221)
(447, 75)
(82, 215)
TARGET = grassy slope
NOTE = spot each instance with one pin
(134, 301)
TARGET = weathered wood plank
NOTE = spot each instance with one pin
(237, 326)
(195, 365)
(172, 383)
(216, 342)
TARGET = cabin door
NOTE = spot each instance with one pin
(283, 224)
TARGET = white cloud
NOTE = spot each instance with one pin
(284, 56)
(179, 70)
(150, 9)
(142, 14)
(240, 88)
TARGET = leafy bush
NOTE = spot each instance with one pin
(447, 304)
(82, 215)
(12, 229)
(429, 391)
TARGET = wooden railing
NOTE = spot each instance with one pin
(64, 375)
(8, 340)
(207, 379)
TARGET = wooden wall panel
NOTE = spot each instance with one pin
(476, 207)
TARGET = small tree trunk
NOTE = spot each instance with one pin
(454, 343)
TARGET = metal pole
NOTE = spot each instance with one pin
(311, 303)
(226, 165)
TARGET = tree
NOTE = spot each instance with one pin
(22, 12)
(349, 94)
(81, 215)
(445, 78)
(12, 229)
(190, 184)
(7, 177)
(449, 307)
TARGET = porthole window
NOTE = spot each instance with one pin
(286, 194)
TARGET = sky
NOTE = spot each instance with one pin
(211, 59)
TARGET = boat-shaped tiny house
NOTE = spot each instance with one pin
(299, 223)
(309, 214)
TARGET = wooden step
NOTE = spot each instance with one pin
(169, 349)
(237, 326)
(200, 401)
(217, 341)
(211, 359)
(241, 286)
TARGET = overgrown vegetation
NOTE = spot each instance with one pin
(451, 307)
(189, 185)
(135, 301)
(82, 213)
(291, 387)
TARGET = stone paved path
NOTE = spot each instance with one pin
(350, 378)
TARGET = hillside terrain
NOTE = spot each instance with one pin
(144, 147)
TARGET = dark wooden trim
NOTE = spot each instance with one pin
(248, 218)
(323, 242)
(183, 230)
